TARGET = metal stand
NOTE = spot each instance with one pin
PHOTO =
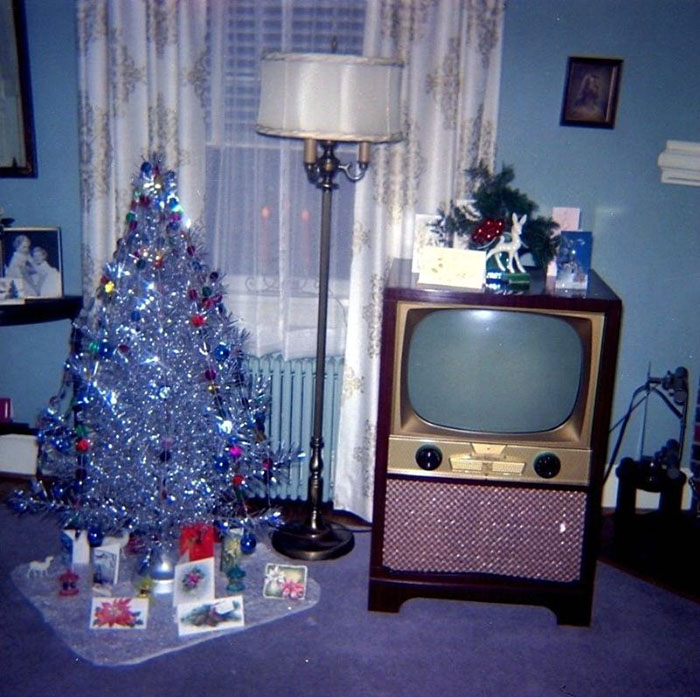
(314, 538)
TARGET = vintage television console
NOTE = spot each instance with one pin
(492, 433)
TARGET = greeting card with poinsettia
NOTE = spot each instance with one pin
(119, 613)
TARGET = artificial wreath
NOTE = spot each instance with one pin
(482, 221)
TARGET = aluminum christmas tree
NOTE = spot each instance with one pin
(158, 423)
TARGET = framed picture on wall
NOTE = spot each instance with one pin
(32, 261)
(17, 149)
(591, 92)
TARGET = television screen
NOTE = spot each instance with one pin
(493, 370)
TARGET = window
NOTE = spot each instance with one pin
(262, 215)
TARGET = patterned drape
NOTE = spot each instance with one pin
(142, 83)
(452, 53)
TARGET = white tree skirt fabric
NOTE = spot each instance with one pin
(70, 616)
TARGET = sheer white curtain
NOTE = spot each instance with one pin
(452, 53)
(264, 213)
(142, 85)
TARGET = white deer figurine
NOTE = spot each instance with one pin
(39, 568)
(510, 248)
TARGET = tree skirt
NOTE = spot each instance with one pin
(70, 616)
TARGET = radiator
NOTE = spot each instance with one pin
(290, 416)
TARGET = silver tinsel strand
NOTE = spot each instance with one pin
(158, 423)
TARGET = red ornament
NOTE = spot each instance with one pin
(238, 480)
(198, 320)
(487, 231)
(82, 445)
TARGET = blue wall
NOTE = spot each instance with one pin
(31, 357)
(646, 234)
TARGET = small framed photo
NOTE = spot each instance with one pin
(591, 92)
(32, 257)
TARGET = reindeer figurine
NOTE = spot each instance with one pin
(510, 248)
(39, 568)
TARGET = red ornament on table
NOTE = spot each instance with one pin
(487, 231)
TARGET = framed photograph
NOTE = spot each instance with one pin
(17, 150)
(591, 92)
(32, 256)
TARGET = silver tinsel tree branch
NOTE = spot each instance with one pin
(157, 424)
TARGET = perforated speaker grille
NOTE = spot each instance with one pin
(446, 527)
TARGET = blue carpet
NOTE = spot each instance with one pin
(643, 641)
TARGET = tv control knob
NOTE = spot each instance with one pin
(547, 465)
(428, 457)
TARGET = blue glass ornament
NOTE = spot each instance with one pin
(135, 315)
(19, 505)
(63, 444)
(222, 352)
(221, 464)
(57, 492)
(146, 170)
(106, 349)
(248, 543)
(95, 536)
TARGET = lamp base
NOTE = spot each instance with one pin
(300, 541)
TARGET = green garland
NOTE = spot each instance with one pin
(496, 200)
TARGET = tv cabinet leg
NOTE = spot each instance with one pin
(383, 599)
(577, 614)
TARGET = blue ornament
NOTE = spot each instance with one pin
(146, 170)
(19, 505)
(248, 543)
(221, 464)
(63, 444)
(222, 352)
(95, 536)
(135, 315)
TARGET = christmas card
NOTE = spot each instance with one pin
(197, 541)
(198, 617)
(119, 613)
(194, 581)
(285, 582)
(105, 567)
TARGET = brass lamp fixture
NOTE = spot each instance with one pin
(324, 99)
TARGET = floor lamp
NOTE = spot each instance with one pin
(324, 99)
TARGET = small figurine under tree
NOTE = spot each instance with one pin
(158, 423)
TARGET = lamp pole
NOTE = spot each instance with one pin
(315, 538)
